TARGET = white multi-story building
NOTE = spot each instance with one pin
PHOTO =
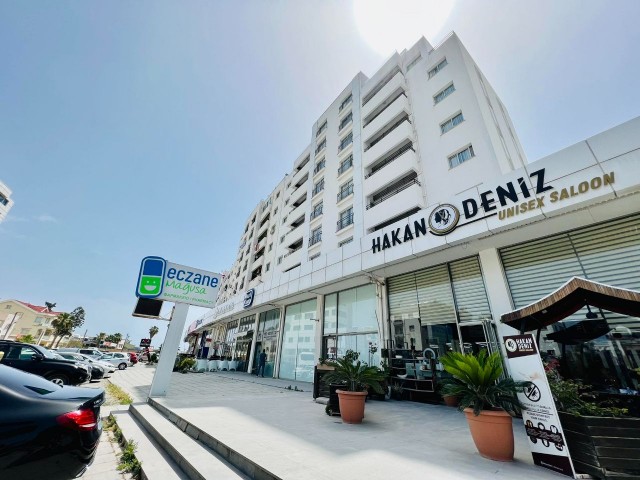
(399, 228)
(5, 201)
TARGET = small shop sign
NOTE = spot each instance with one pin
(542, 424)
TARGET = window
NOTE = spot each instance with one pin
(3, 200)
(275, 211)
(344, 242)
(346, 121)
(278, 195)
(270, 246)
(321, 146)
(268, 266)
(444, 93)
(345, 164)
(438, 67)
(286, 202)
(346, 219)
(282, 238)
(316, 236)
(7, 307)
(345, 102)
(345, 190)
(284, 219)
(38, 321)
(313, 257)
(317, 211)
(452, 122)
(319, 166)
(461, 157)
(279, 260)
(318, 187)
(273, 229)
(346, 141)
(322, 128)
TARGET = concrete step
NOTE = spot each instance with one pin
(250, 468)
(156, 463)
(196, 460)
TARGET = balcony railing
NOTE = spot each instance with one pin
(347, 101)
(319, 167)
(317, 238)
(388, 131)
(346, 165)
(344, 222)
(322, 129)
(345, 192)
(392, 192)
(384, 163)
(316, 213)
(317, 189)
(348, 140)
(321, 147)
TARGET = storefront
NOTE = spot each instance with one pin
(244, 338)
(298, 353)
(267, 340)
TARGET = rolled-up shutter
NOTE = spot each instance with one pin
(468, 286)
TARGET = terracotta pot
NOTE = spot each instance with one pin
(492, 433)
(451, 400)
(351, 406)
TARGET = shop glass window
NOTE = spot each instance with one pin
(298, 356)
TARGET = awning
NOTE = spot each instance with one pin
(570, 298)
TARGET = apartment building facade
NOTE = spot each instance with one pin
(18, 319)
(410, 223)
(5, 201)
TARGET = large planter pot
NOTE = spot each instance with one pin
(224, 365)
(213, 365)
(492, 433)
(351, 406)
(233, 365)
(603, 446)
(451, 400)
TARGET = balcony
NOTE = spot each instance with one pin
(399, 166)
(319, 167)
(315, 239)
(407, 198)
(317, 212)
(317, 189)
(345, 165)
(396, 82)
(345, 192)
(385, 145)
(293, 234)
(298, 211)
(398, 108)
(344, 222)
(298, 177)
(291, 259)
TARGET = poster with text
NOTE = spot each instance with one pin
(546, 438)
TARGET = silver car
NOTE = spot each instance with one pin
(109, 368)
(120, 360)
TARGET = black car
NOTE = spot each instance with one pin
(40, 361)
(46, 430)
(97, 372)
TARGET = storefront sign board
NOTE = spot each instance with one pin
(542, 424)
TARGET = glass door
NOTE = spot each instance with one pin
(478, 335)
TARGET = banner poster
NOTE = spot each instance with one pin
(546, 438)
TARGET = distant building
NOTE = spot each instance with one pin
(5, 201)
(21, 318)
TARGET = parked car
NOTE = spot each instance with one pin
(120, 360)
(97, 372)
(133, 357)
(46, 430)
(91, 351)
(40, 361)
(108, 368)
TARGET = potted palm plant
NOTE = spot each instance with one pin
(356, 377)
(485, 399)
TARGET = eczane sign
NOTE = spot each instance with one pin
(163, 280)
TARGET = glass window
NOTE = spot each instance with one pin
(298, 355)
(357, 310)
(461, 157)
(444, 93)
(437, 68)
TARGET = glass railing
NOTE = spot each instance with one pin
(344, 222)
(345, 192)
(315, 239)
(346, 165)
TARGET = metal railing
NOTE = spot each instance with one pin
(344, 222)
(391, 193)
(346, 165)
(345, 192)
(388, 131)
(317, 189)
(319, 166)
(347, 101)
(316, 213)
(315, 238)
(392, 158)
(348, 140)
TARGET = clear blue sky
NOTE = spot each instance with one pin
(153, 128)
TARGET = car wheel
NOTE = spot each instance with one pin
(58, 379)
(122, 366)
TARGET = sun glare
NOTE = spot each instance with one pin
(389, 25)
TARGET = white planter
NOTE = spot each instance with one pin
(201, 365)
(223, 365)
(213, 365)
(233, 365)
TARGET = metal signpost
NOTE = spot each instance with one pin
(163, 280)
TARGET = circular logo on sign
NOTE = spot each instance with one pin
(511, 345)
(444, 218)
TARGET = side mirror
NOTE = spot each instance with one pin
(37, 356)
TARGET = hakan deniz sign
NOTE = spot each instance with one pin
(445, 217)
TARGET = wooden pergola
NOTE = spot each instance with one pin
(568, 299)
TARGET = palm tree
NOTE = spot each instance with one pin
(62, 326)
(153, 331)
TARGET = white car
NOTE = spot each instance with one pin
(108, 368)
(120, 360)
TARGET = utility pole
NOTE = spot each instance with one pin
(6, 333)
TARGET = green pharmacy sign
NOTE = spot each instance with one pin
(171, 282)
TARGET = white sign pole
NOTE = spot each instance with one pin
(161, 379)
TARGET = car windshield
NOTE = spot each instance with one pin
(46, 352)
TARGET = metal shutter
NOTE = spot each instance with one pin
(434, 295)
(403, 300)
(468, 287)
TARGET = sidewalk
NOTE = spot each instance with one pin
(290, 435)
